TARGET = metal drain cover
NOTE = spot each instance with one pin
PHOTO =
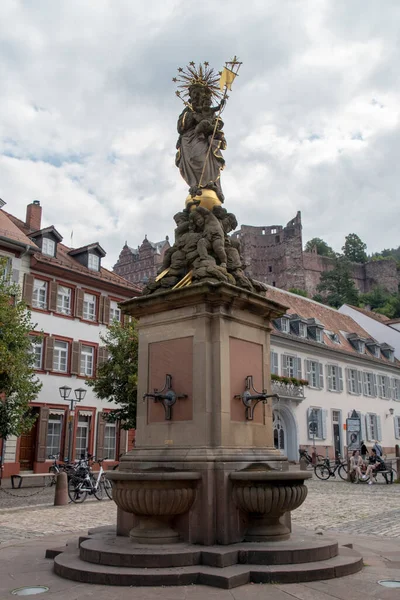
(390, 583)
(30, 590)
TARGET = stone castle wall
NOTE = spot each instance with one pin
(274, 254)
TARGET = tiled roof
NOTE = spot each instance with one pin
(332, 320)
(10, 231)
(371, 314)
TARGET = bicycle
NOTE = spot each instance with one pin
(308, 457)
(324, 470)
(83, 483)
(58, 467)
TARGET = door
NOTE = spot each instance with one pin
(279, 431)
(27, 448)
(337, 441)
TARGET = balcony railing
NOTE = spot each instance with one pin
(288, 390)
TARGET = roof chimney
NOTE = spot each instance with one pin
(34, 216)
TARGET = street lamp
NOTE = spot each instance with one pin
(65, 392)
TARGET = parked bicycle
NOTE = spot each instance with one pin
(305, 454)
(84, 483)
(59, 467)
(325, 470)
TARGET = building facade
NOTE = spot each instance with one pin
(138, 265)
(72, 299)
(274, 254)
(346, 369)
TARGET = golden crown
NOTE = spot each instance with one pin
(203, 75)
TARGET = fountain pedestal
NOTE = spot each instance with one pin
(207, 339)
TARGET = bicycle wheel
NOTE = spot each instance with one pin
(322, 472)
(100, 491)
(107, 486)
(343, 471)
(55, 472)
(75, 493)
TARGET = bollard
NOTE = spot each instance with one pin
(61, 493)
(303, 464)
(314, 458)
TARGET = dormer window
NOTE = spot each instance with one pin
(283, 324)
(318, 334)
(374, 348)
(357, 342)
(302, 330)
(316, 330)
(298, 325)
(48, 247)
(387, 351)
(93, 262)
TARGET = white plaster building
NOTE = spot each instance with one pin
(72, 300)
(346, 369)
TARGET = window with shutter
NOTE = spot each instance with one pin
(53, 296)
(106, 310)
(378, 428)
(79, 303)
(284, 365)
(340, 373)
(316, 423)
(49, 354)
(397, 427)
(42, 434)
(75, 358)
(28, 288)
(101, 425)
(274, 363)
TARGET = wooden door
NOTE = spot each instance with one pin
(27, 449)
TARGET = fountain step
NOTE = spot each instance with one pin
(121, 552)
(70, 566)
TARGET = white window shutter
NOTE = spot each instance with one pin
(298, 368)
(310, 437)
(321, 375)
(363, 428)
(347, 373)
(365, 379)
(307, 368)
(360, 382)
(379, 428)
(340, 371)
(324, 418)
(396, 427)
(284, 365)
(329, 376)
(276, 363)
(393, 388)
(380, 387)
(368, 425)
(375, 385)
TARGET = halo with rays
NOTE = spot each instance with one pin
(203, 74)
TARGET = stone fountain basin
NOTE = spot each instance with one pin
(266, 495)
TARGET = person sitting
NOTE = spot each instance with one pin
(356, 465)
(376, 464)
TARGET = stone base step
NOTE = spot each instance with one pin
(70, 566)
(121, 552)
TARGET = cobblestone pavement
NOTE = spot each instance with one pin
(330, 505)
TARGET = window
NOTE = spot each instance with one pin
(316, 423)
(87, 360)
(270, 269)
(369, 384)
(48, 247)
(396, 389)
(110, 441)
(285, 325)
(94, 262)
(273, 230)
(37, 351)
(373, 427)
(335, 378)
(115, 312)
(315, 374)
(39, 295)
(89, 307)
(318, 334)
(60, 356)
(54, 429)
(82, 436)
(383, 386)
(291, 366)
(354, 383)
(6, 268)
(64, 300)
(377, 352)
(302, 330)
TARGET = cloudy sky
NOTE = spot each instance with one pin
(88, 114)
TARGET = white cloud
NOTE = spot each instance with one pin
(88, 114)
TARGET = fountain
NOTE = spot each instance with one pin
(204, 497)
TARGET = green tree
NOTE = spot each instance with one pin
(376, 298)
(354, 249)
(116, 378)
(322, 247)
(336, 287)
(19, 385)
(299, 292)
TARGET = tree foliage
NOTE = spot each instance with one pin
(382, 301)
(299, 292)
(19, 385)
(322, 247)
(354, 248)
(116, 379)
(336, 287)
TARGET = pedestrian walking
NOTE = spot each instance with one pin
(363, 450)
(378, 448)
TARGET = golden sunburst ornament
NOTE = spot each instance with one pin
(203, 74)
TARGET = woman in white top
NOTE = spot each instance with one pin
(356, 464)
